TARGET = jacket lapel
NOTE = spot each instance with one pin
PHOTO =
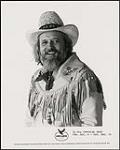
(67, 71)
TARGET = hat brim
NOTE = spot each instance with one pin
(70, 29)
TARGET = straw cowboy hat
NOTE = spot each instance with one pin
(50, 21)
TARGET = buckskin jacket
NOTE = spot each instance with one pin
(76, 98)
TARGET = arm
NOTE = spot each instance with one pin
(92, 101)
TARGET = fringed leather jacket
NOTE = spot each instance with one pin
(75, 99)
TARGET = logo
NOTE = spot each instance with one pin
(61, 135)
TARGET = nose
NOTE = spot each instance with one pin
(50, 44)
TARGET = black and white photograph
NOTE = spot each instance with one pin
(60, 74)
(64, 92)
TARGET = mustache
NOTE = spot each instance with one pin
(51, 50)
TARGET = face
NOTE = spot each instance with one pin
(52, 49)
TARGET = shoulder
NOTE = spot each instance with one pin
(86, 73)
(91, 79)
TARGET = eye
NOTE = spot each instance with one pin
(56, 41)
(44, 42)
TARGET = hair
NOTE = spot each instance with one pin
(68, 48)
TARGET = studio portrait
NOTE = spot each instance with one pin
(59, 74)
(64, 90)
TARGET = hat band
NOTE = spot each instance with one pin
(50, 26)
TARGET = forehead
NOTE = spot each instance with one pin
(51, 34)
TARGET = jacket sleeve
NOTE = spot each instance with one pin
(29, 109)
(33, 95)
(92, 101)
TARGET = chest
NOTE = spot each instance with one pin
(62, 102)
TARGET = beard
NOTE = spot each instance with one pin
(52, 62)
(51, 65)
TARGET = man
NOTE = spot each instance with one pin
(64, 91)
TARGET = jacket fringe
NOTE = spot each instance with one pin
(61, 102)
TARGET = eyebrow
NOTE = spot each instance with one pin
(52, 38)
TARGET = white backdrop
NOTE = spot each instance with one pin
(97, 47)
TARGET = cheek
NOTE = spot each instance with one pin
(42, 50)
(57, 47)
(60, 47)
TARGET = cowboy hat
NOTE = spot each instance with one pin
(50, 21)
